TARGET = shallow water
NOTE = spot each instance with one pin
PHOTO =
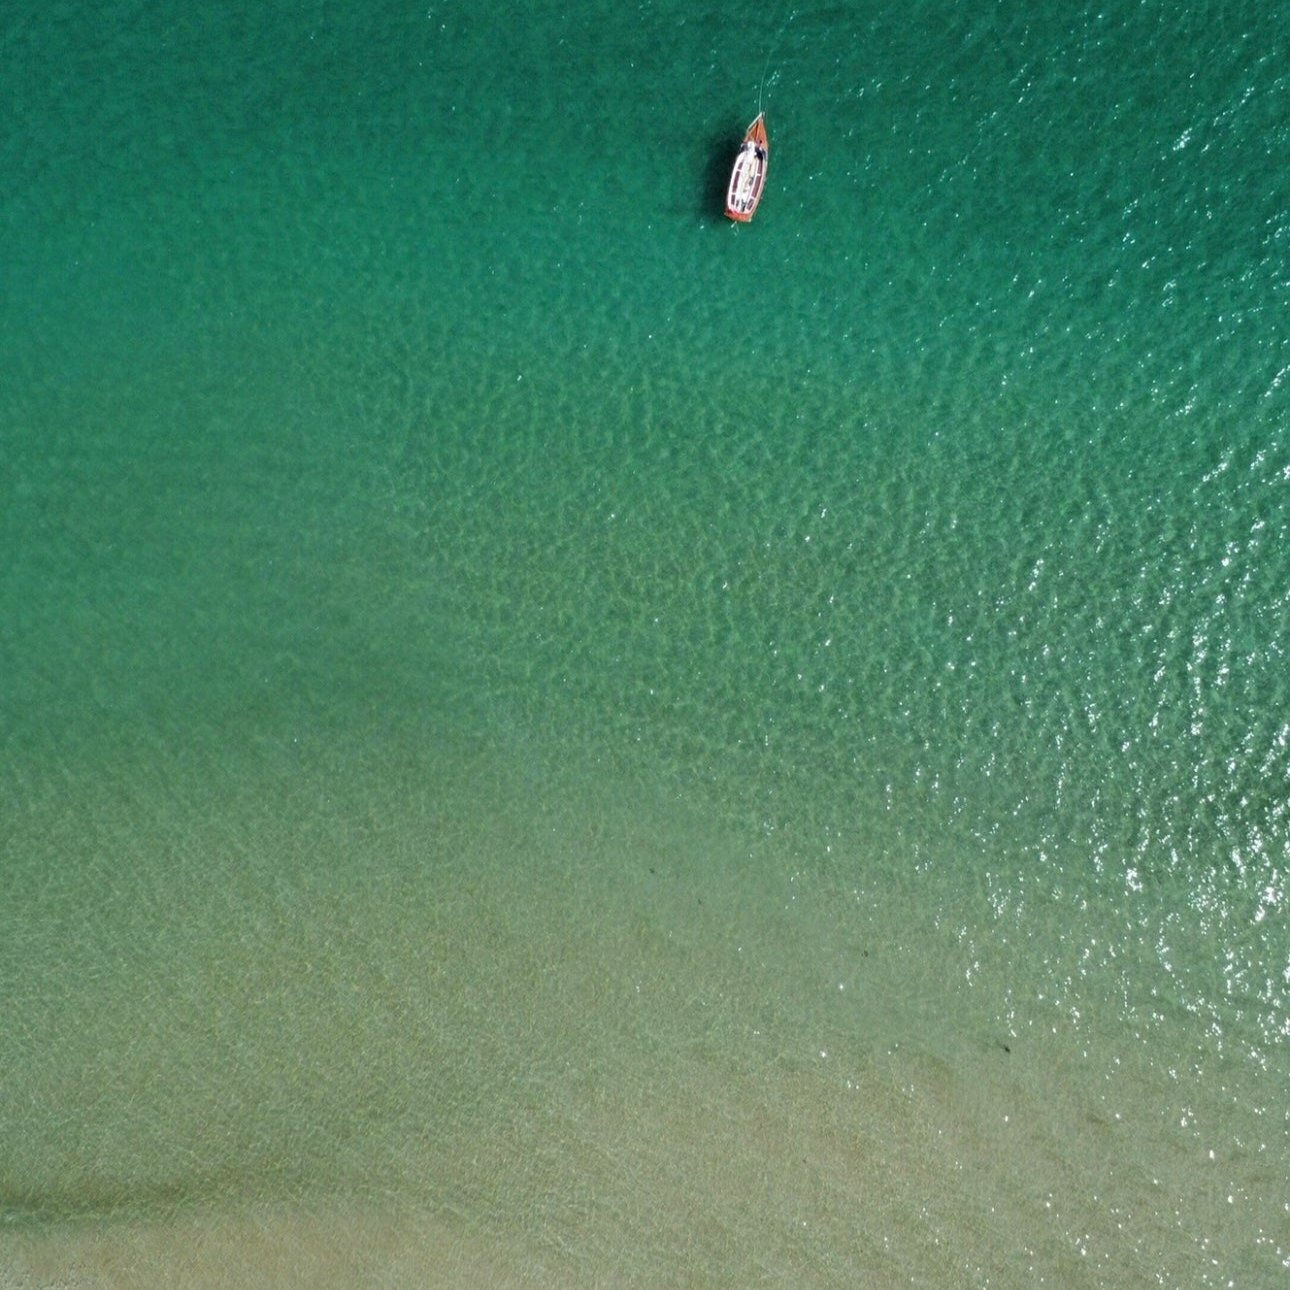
(552, 739)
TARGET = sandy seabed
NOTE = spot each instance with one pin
(924, 1171)
(357, 1248)
(616, 1066)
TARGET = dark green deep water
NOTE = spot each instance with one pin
(680, 753)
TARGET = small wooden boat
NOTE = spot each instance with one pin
(748, 177)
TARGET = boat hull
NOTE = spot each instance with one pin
(748, 176)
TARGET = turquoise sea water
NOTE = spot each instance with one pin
(589, 745)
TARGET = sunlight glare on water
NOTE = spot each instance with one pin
(553, 739)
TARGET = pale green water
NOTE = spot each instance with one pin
(676, 754)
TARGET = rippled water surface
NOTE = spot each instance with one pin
(551, 739)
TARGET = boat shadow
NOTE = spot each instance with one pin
(719, 155)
